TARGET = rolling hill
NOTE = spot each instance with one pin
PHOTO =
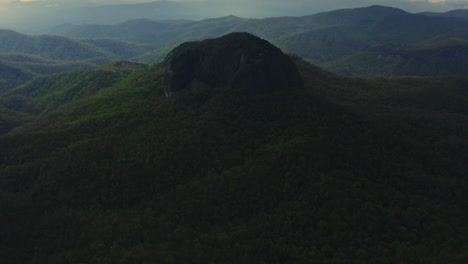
(100, 165)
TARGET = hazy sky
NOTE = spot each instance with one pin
(26, 14)
(419, 4)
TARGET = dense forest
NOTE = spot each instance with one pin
(99, 166)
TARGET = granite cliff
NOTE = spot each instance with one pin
(237, 60)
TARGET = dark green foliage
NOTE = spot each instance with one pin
(105, 169)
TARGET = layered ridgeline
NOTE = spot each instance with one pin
(460, 13)
(22, 57)
(332, 40)
(101, 166)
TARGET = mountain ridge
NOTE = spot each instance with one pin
(321, 38)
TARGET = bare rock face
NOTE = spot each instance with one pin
(237, 60)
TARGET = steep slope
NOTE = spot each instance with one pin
(346, 170)
(238, 60)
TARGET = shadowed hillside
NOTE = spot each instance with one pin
(100, 165)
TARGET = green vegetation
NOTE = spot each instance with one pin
(51, 47)
(23, 57)
(99, 167)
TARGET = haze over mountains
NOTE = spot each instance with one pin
(34, 17)
(371, 41)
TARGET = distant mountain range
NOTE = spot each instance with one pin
(460, 13)
(326, 39)
(371, 41)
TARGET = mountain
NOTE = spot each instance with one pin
(118, 13)
(53, 47)
(140, 31)
(238, 60)
(325, 39)
(100, 165)
(460, 13)
(66, 49)
(44, 17)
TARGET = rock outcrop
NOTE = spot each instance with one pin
(237, 60)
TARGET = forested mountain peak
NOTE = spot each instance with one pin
(237, 60)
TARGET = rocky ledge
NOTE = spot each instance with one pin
(237, 60)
